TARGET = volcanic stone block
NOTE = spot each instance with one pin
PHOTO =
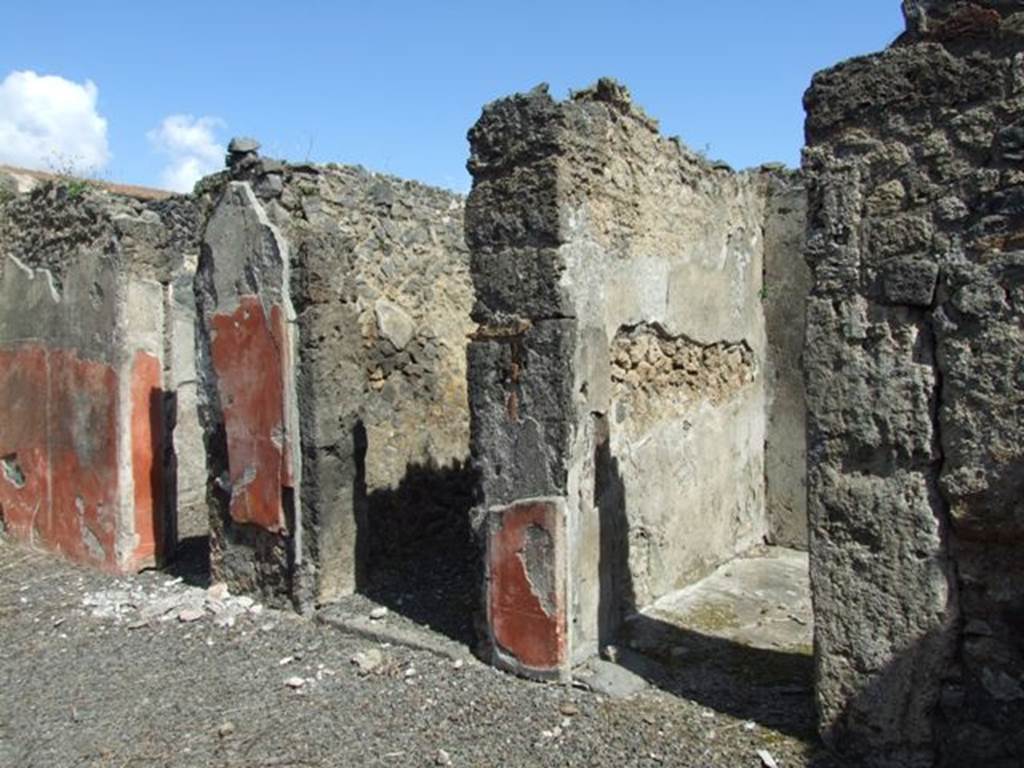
(912, 365)
(526, 588)
(947, 20)
(521, 400)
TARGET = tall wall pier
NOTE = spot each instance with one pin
(913, 359)
(91, 361)
(617, 387)
(334, 309)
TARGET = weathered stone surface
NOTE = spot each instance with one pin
(188, 453)
(787, 280)
(913, 345)
(88, 416)
(520, 395)
(14, 181)
(242, 144)
(248, 402)
(952, 20)
(382, 283)
(620, 355)
(393, 324)
(378, 275)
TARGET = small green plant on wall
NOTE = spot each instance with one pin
(70, 175)
(76, 187)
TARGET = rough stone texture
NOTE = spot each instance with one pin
(951, 20)
(620, 355)
(86, 439)
(913, 352)
(787, 280)
(248, 403)
(379, 281)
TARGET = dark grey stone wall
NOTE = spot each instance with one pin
(378, 280)
(914, 347)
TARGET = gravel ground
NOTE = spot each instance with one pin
(150, 671)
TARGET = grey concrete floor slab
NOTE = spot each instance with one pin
(760, 600)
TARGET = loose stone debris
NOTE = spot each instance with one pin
(138, 607)
(368, 661)
(133, 692)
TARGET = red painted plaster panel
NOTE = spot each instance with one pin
(60, 431)
(526, 585)
(83, 457)
(25, 473)
(147, 437)
(249, 356)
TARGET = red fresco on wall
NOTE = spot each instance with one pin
(249, 355)
(58, 448)
(25, 470)
(147, 446)
(520, 623)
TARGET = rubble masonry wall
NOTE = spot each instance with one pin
(913, 353)
(89, 372)
(618, 371)
(371, 275)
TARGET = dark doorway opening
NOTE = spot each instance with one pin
(422, 558)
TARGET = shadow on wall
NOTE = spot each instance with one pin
(191, 561)
(772, 688)
(189, 557)
(884, 725)
(420, 555)
(975, 718)
(163, 473)
(618, 598)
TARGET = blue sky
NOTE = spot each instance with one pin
(394, 86)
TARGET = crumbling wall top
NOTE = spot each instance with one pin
(583, 186)
(533, 126)
(58, 222)
(948, 20)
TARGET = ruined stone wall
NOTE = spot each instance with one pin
(618, 371)
(88, 373)
(372, 278)
(914, 348)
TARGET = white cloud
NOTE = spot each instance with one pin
(49, 123)
(192, 148)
